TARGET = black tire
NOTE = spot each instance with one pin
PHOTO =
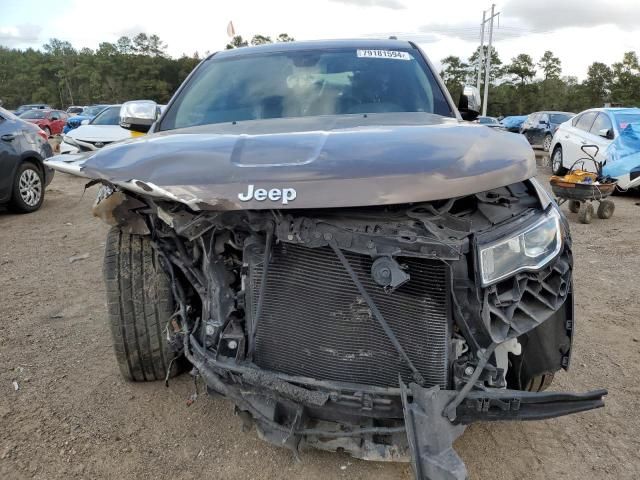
(546, 142)
(574, 206)
(539, 382)
(606, 209)
(556, 162)
(585, 215)
(139, 305)
(27, 194)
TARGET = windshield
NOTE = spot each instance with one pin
(92, 111)
(109, 116)
(559, 117)
(307, 83)
(624, 119)
(74, 110)
(33, 114)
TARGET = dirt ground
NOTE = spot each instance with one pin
(74, 417)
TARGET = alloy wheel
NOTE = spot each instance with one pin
(556, 161)
(30, 187)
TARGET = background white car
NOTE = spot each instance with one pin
(101, 131)
(597, 126)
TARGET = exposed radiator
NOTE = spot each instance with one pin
(315, 324)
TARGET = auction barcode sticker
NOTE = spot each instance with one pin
(391, 54)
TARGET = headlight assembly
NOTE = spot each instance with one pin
(529, 249)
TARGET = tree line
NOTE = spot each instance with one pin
(131, 68)
(524, 85)
(139, 67)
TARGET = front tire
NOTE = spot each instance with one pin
(47, 130)
(140, 306)
(546, 143)
(556, 162)
(28, 188)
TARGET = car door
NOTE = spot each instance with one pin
(575, 137)
(539, 129)
(9, 155)
(600, 134)
(528, 125)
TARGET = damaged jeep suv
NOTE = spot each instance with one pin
(315, 231)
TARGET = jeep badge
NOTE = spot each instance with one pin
(286, 195)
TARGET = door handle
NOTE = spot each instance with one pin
(8, 137)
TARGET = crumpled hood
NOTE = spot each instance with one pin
(100, 133)
(317, 162)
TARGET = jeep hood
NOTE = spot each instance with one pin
(353, 160)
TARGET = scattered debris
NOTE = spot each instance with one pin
(56, 315)
(69, 224)
(76, 258)
(16, 387)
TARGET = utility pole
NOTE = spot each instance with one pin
(481, 52)
(487, 58)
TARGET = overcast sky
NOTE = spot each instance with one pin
(578, 31)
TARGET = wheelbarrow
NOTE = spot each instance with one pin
(581, 189)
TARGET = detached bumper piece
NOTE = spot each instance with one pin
(518, 405)
(431, 434)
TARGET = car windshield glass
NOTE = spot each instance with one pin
(92, 111)
(33, 114)
(307, 83)
(109, 116)
(624, 119)
(74, 110)
(559, 117)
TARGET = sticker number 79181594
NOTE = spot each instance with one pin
(390, 54)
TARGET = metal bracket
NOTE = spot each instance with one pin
(431, 434)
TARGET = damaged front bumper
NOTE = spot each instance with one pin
(431, 434)
(281, 407)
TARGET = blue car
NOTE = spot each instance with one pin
(513, 122)
(87, 114)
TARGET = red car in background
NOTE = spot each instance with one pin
(51, 121)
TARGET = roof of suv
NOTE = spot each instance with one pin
(315, 45)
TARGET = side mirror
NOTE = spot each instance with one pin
(542, 123)
(84, 122)
(469, 103)
(138, 115)
(606, 133)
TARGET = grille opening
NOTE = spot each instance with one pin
(315, 323)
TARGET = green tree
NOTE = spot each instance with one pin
(496, 68)
(236, 42)
(597, 86)
(522, 68)
(550, 65)
(625, 87)
(260, 40)
(284, 37)
(454, 73)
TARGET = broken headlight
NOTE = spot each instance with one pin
(529, 249)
